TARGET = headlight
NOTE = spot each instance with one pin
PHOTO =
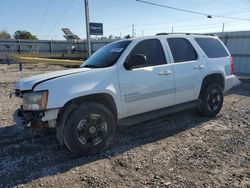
(33, 101)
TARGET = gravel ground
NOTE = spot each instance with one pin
(181, 150)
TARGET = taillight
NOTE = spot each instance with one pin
(232, 64)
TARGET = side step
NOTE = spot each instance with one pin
(156, 113)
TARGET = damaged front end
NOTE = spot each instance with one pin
(27, 119)
(33, 113)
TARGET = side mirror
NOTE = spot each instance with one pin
(138, 59)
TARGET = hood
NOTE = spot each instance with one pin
(29, 82)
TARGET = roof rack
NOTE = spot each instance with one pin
(210, 34)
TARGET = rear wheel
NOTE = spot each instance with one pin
(89, 129)
(211, 100)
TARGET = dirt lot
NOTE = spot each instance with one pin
(181, 150)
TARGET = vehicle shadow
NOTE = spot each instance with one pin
(22, 161)
(242, 88)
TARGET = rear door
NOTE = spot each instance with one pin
(188, 69)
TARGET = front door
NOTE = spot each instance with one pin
(149, 86)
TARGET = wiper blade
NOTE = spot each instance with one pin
(90, 66)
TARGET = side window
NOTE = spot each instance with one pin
(182, 50)
(212, 47)
(152, 49)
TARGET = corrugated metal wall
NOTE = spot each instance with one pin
(238, 44)
(47, 46)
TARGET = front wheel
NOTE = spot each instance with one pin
(211, 100)
(89, 129)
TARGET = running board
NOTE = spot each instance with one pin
(156, 113)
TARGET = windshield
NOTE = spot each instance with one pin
(107, 55)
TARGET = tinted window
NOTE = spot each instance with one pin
(107, 55)
(152, 49)
(212, 47)
(181, 49)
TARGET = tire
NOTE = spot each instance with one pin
(90, 129)
(211, 100)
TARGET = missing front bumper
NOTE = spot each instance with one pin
(31, 118)
(20, 120)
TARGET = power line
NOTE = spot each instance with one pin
(174, 8)
(59, 19)
(190, 11)
(178, 26)
(226, 3)
(44, 16)
(198, 20)
(144, 25)
(41, 24)
(204, 28)
(188, 27)
(128, 27)
(168, 25)
(237, 12)
(232, 12)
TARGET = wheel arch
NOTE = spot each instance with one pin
(212, 78)
(102, 98)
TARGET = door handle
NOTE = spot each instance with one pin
(164, 73)
(199, 67)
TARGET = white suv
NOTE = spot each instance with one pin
(125, 82)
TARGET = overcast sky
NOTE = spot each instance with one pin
(45, 18)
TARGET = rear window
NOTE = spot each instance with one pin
(182, 50)
(212, 47)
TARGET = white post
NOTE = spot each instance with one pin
(133, 30)
(87, 26)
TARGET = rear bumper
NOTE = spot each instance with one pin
(230, 82)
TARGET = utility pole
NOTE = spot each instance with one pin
(86, 2)
(223, 27)
(133, 30)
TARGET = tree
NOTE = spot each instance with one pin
(117, 37)
(110, 37)
(4, 35)
(102, 38)
(24, 35)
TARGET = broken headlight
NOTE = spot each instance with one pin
(34, 101)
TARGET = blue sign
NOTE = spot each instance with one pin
(96, 28)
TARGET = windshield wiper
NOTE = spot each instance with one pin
(90, 66)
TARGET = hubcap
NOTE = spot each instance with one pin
(92, 129)
(213, 100)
